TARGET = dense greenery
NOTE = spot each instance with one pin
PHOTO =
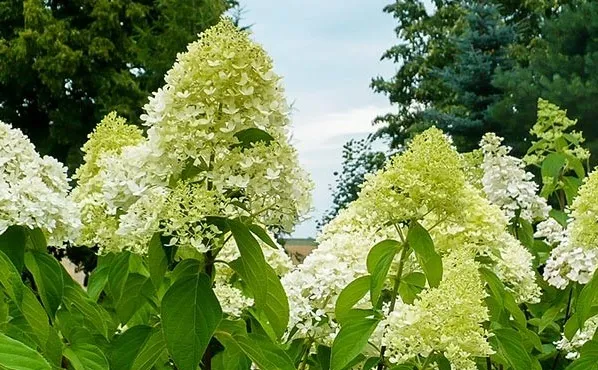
(65, 64)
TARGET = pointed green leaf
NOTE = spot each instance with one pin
(47, 274)
(85, 356)
(349, 296)
(12, 243)
(190, 315)
(157, 260)
(261, 279)
(379, 261)
(351, 341)
(15, 355)
(421, 242)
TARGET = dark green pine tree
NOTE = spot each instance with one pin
(64, 64)
(482, 48)
(430, 40)
(562, 67)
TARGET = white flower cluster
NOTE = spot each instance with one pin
(507, 184)
(575, 257)
(315, 285)
(580, 338)
(216, 145)
(567, 263)
(33, 189)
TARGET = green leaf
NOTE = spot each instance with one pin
(430, 261)
(133, 297)
(525, 233)
(503, 297)
(509, 345)
(351, 341)
(586, 300)
(12, 243)
(15, 355)
(97, 282)
(47, 274)
(232, 358)
(349, 296)
(125, 347)
(150, 353)
(323, 355)
(263, 235)
(37, 240)
(560, 216)
(411, 285)
(250, 136)
(85, 356)
(574, 163)
(552, 165)
(190, 315)
(77, 301)
(25, 300)
(263, 352)
(261, 279)
(570, 187)
(157, 260)
(378, 263)
(188, 267)
(119, 272)
(588, 359)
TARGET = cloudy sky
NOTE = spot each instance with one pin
(327, 52)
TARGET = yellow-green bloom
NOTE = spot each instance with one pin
(426, 177)
(216, 145)
(447, 319)
(551, 129)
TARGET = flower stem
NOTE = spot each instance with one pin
(567, 312)
(305, 354)
(395, 291)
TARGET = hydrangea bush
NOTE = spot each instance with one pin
(445, 261)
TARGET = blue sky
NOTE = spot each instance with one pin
(327, 52)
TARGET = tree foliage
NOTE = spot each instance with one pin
(65, 64)
(450, 57)
(562, 68)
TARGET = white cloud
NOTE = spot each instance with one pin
(322, 132)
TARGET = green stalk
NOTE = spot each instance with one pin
(395, 290)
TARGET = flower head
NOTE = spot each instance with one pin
(33, 189)
(507, 184)
(576, 256)
(216, 145)
(446, 319)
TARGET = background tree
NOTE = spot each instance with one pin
(446, 37)
(562, 68)
(65, 64)
(481, 49)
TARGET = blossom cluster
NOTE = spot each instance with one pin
(33, 189)
(507, 184)
(581, 336)
(425, 183)
(575, 257)
(434, 323)
(551, 129)
(216, 145)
